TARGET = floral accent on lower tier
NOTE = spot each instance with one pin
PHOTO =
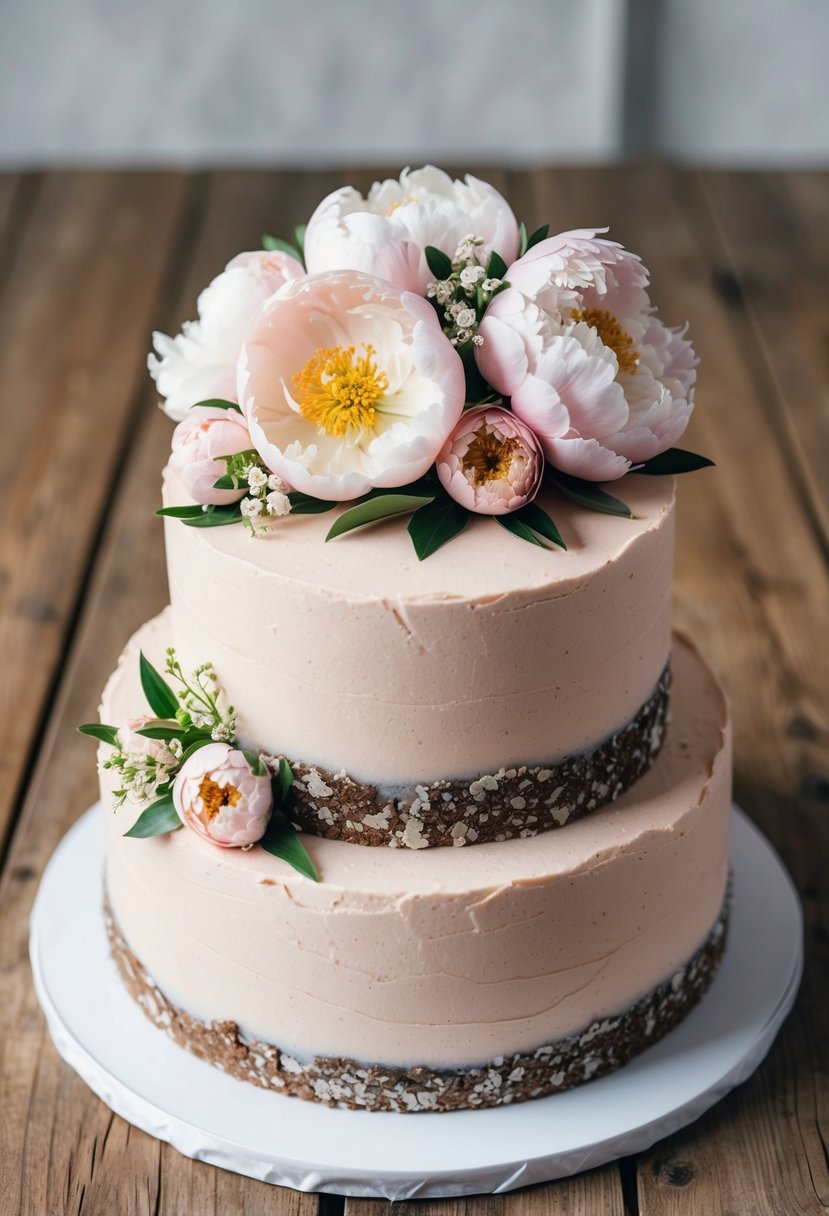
(511, 802)
(601, 1048)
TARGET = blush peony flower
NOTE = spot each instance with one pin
(139, 745)
(200, 362)
(348, 384)
(491, 463)
(217, 795)
(575, 345)
(386, 233)
(200, 439)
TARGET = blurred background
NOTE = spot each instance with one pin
(215, 82)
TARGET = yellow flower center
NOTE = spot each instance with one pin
(612, 334)
(215, 796)
(338, 389)
(488, 457)
(400, 202)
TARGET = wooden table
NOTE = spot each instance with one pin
(89, 264)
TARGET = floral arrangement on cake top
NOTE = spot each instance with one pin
(180, 763)
(417, 353)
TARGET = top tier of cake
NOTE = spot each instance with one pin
(353, 656)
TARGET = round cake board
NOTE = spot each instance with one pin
(142, 1075)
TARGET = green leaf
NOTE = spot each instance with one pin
(282, 841)
(104, 734)
(536, 518)
(158, 818)
(196, 746)
(539, 235)
(675, 460)
(522, 241)
(299, 237)
(181, 512)
(162, 732)
(219, 403)
(517, 528)
(306, 504)
(476, 387)
(256, 764)
(215, 517)
(587, 494)
(436, 523)
(160, 696)
(227, 482)
(282, 781)
(275, 244)
(372, 509)
(426, 487)
(496, 266)
(437, 261)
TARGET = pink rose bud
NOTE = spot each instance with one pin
(217, 795)
(204, 435)
(140, 745)
(491, 463)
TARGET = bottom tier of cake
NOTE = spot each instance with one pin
(441, 978)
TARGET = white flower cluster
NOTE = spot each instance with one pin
(143, 774)
(465, 294)
(199, 700)
(267, 499)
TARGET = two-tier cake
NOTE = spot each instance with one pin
(407, 810)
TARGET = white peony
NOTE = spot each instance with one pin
(386, 233)
(200, 362)
(348, 384)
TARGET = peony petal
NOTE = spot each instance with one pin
(586, 458)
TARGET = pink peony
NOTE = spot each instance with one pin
(200, 362)
(139, 745)
(205, 434)
(386, 233)
(491, 463)
(348, 384)
(575, 345)
(217, 795)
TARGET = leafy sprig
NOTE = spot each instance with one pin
(189, 717)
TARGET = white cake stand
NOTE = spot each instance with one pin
(145, 1077)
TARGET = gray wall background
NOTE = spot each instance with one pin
(319, 81)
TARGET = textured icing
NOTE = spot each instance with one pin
(440, 957)
(492, 653)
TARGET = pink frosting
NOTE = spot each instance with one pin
(492, 652)
(439, 957)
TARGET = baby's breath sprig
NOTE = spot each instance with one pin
(199, 700)
(267, 495)
(142, 776)
(463, 288)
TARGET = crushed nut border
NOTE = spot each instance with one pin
(521, 801)
(604, 1046)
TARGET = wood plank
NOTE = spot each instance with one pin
(751, 588)
(773, 232)
(73, 322)
(594, 1193)
(17, 193)
(60, 1146)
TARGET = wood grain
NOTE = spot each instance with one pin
(74, 317)
(772, 229)
(594, 1193)
(96, 261)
